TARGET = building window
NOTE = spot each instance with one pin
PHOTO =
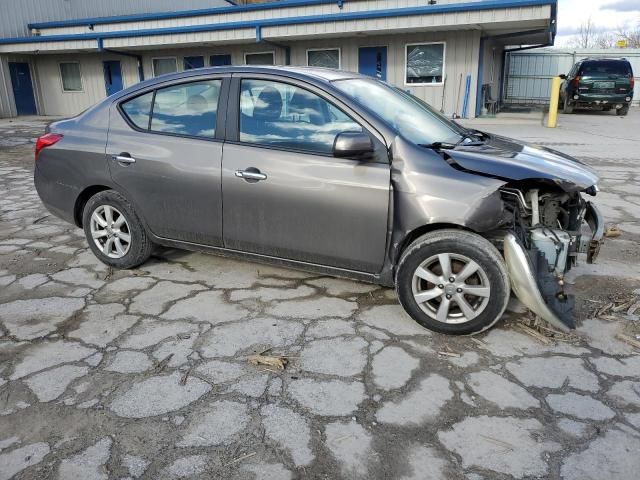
(263, 58)
(71, 78)
(281, 115)
(220, 60)
(187, 109)
(328, 58)
(162, 66)
(424, 63)
(193, 62)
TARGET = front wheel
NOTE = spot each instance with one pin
(567, 107)
(453, 281)
(114, 231)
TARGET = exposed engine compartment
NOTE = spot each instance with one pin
(547, 223)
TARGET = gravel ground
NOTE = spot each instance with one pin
(144, 373)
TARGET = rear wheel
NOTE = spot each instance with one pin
(623, 111)
(453, 282)
(114, 232)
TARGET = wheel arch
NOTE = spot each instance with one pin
(82, 200)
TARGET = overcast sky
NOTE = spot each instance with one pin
(607, 15)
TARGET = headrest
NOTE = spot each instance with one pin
(196, 103)
(268, 105)
(306, 104)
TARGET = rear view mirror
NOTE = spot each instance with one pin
(563, 76)
(352, 144)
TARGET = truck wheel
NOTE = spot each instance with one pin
(453, 281)
(567, 107)
(114, 231)
(623, 111)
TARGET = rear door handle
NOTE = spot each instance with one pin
(253, 174)
(124, 158)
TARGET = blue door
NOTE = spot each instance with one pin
(372, 61)
(22, 88)
(193, 62)
(220, 60)
(112, 76)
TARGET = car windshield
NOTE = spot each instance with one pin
(409, 116)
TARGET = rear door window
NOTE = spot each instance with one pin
(187, 109)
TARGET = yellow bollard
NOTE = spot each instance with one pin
(552, 122)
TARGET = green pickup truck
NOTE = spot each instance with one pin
(598, 84)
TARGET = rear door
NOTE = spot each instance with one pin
(165, 149)
(299, 201)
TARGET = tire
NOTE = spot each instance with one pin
(623, 111)
(463, 248)
(567, 107)
(129, 234)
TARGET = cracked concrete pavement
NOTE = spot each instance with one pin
(110, 374)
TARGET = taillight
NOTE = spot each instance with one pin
(575, 83)
(47, 140)
(632, 82)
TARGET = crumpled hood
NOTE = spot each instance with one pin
(511, 160)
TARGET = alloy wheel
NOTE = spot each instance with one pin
(110, 231)
(451, 288)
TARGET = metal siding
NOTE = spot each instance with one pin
(530, 72)
(459, 59)
(376, 24)
(17, 14)
(283, 12)
(53, 101)
(7, 104)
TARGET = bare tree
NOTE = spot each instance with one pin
(630, 35)
(585, 36)
(604, 40)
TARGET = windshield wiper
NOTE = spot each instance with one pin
(438, 145)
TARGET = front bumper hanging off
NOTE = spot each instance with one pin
(525, 280)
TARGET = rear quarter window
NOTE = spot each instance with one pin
(138, 110)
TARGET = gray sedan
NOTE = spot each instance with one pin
(331, 172)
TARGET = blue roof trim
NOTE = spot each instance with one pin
(184, 13)
(362, 15)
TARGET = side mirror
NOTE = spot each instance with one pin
(352, 144)
(563, 76)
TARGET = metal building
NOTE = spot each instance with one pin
(59, 61)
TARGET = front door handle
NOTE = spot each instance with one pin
(251, 174)
(124, 158)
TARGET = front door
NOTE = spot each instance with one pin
(22, 88)
(284, 193)
(112, 76)
(169, 165)
(372, 61)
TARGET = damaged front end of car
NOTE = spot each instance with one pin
(542, 243)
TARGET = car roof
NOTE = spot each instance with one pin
(605, 59)
(317, 74)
